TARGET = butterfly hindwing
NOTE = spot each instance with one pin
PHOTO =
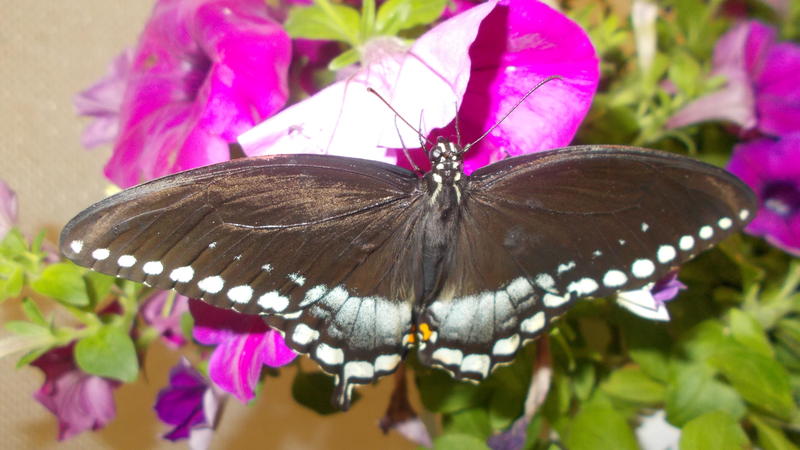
(556, 226)
(300, 239)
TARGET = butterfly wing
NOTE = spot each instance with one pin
(322, 247)
(537, 232)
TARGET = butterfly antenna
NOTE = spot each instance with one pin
(405, 150)
(540, 84)
(373, 91)
(458, 129)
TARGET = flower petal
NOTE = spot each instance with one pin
(181, 403)
(778, 93)
(235, 364)
(519, 45)
(203, 72)
(8, 208)
(423, 83)
(276, 353)
(103, 101)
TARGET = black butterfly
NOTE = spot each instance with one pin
(356, 261)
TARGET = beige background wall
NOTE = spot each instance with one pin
(49, 50)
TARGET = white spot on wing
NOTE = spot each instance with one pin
(126, 261)
(725, 223)
(554, 301)
(240, 294)
(101, 254)
(519, 288)
(182, 274)
(507, 346)
(565, 267)
(358, 369)
(313, 295)
(331, 356)
(153, 267)
(615, 278)
(533, 324)
(297, 279)
(212, 245)
(304, 334)
(386, 363)
(476, 363)
(584, 286)
(545, 281)
(744, 214)
(448, 356)
(665, 254)
(706, 232)
(267, 268)
(274, 301)
(642, 268)
(76, 246)
(686, 242)
(645, 226)
(212, 284)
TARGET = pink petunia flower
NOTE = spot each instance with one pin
(244, 344)
(189, 403)
(165, 316)
(103, 102)
(480, 62)
(760, 92)
(203, 72)
(80, 401)
(771, 167)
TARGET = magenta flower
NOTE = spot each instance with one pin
(165, 316)
(244, 344)
(483, 59)
(8, 208)
(190, 404)
(667, 288)
(203, 72)
(760, 91)
(79, 401)
(771, 167)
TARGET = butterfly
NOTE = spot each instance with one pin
(358, 261)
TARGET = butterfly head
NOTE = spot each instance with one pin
(446, 161)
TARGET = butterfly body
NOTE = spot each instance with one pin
(357, 261)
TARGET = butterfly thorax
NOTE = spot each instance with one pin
(445, 185)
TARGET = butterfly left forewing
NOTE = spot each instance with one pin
(321, 247)
(539, 231)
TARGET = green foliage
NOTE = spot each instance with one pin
(325, 20)
(109, 353)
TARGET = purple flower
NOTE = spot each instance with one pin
(80, 401)
(483, 59)
(189, 403)
(203, 72)
(244, 344)
(163, 312)
(771, 167)
(8, 208)
(760, 91)
(103, 102)
(649, 302)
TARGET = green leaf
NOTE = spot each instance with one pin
(32, 355)
(25, 328)
(600, 426)
(695, 391)
(314, 390)
(33, 313)
(771, 438)
(98, 285)
(760, 380)
(350, 56)
(328, 22)
(440, 393)
(633, 385)
(397, 15)
(747, 331)
(473, 421)
(13, 244)
(110, 353)
(648, 346)
(458, 441)
(12, 278)
(63, 282)
(712, 430)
